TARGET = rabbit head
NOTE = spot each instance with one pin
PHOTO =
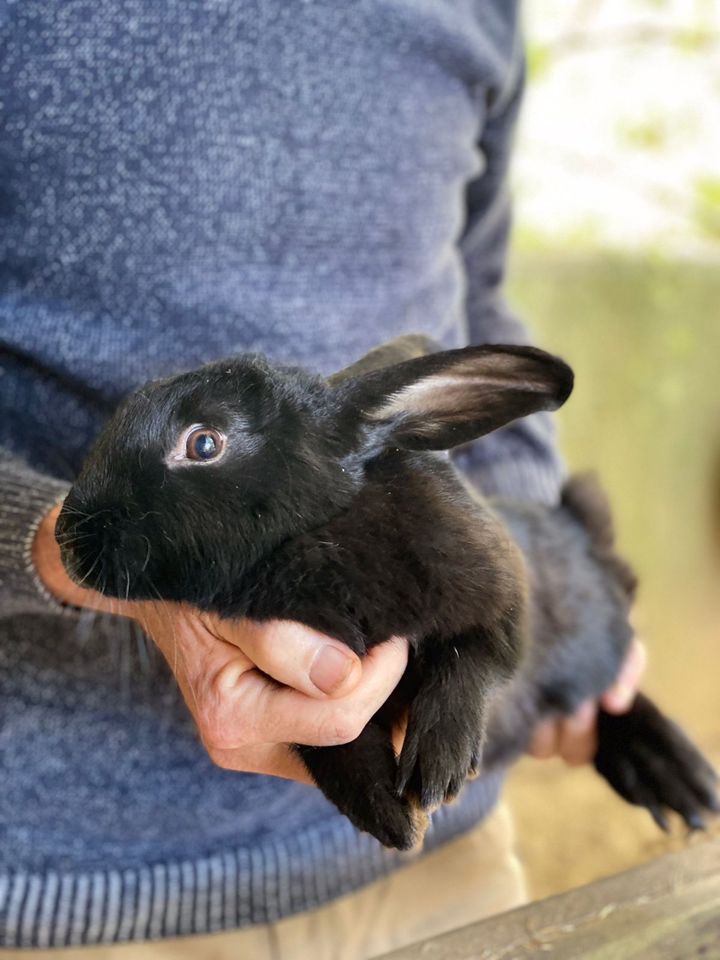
(196, 478)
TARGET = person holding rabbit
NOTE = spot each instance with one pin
(181, 184)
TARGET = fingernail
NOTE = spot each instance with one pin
(330, 668)
(622, 696)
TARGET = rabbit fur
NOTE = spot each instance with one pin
(334, 503)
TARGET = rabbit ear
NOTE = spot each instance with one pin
(446, 399)
(405, 347)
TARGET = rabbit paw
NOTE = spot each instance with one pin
(650, 762)
(435, 762)
(359, 778)
(393, 821)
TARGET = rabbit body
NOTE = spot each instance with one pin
(581, 593)
(264, 492)
(415, 556)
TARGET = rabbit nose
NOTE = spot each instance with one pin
(97, 546)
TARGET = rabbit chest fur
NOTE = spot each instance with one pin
(414, 556)
(417, 557)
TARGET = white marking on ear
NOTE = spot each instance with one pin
(426, 396)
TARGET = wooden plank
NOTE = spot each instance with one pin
(666, 910)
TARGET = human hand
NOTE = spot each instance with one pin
(252, 688)
(574, 738)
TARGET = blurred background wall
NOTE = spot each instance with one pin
(617, 267)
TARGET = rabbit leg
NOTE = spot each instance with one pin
(359, 778)
(447, 719)
(650, 762)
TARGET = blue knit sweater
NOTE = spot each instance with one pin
(181, 181)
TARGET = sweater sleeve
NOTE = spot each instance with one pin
(521, 460)
(26, 496)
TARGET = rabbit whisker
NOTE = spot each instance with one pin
(88, 516)
(147, 556)
(97, 560)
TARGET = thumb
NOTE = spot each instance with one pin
(294, 655)
(620, 696)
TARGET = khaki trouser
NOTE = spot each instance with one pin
(472, 877)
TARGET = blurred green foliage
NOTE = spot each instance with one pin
(695, 39)
(640, 325)
(648, 134)
(643, 335)
(707, 206)
(539, 60)
(657, 138)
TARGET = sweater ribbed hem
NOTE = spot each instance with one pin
(227, 891)
(25, 498)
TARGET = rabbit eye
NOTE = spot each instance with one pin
(204, 444)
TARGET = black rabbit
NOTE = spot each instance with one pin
(265, 492)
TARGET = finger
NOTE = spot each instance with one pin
(248, 708)
(577, 739)
(620, 696)
(399, 731)
(203, 665)
(544, 742)
(635, 663)
(271, 759)
(290, 716)
(182, 636)
(295, 655)
(214, 677)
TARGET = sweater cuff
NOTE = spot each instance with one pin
(25, 498)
